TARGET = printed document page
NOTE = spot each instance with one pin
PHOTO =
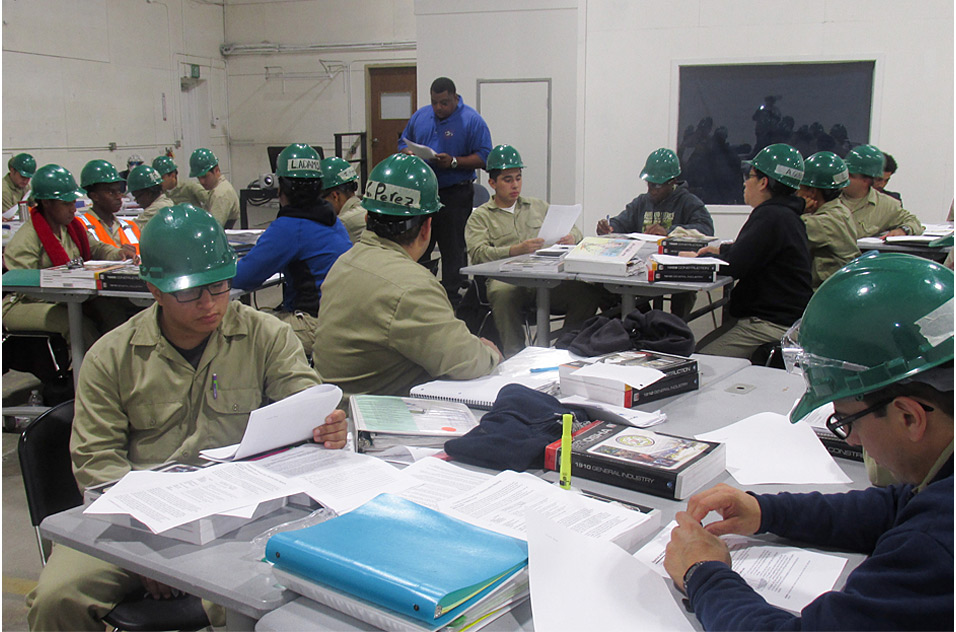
(422, 151)
(787, 577)
(609, 589)
(169, 500)
(440, 480)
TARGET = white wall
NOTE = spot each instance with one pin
(78, 76)
(298, 99)
(508, 39)
(630, 85)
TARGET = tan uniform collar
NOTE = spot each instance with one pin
(944, 456)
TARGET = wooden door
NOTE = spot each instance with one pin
(392, 98)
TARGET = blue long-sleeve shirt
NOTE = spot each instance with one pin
(303, 250)
(906, 583)
(462, 133)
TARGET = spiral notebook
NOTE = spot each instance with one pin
(483, 391)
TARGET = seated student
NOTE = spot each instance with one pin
(188, 192)
(769, 259)
(53, 237)
(666, 205)
(889, 168)
(385, 323)
(145, 395)
(341, 183)
(105, 187)
(874, 213)
(877, 341)
(830, 230)
(223, 201)
(303, 242)
(146, 186)
(506, 226)
(20, 169)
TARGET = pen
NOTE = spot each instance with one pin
(567, 420)
(543, 369)
(215, 386)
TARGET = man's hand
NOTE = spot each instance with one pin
(157, 590)
(526, 247)
(810, 206)
(896, 232)
(408, 151)
(334, 432)
(129, 251)
(443, 160)
(740, 511)
(604, 227)
(656, 229)
(691, 543)
(493, 346)
(706, 251)
(567, 240)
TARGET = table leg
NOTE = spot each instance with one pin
(543, 335)
(627, 303)
(74, 312)
(238, 621)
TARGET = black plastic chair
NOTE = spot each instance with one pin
(44, 354)
(46, 467)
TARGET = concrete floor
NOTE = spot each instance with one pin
(20, 557)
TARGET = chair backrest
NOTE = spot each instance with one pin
(45, 464)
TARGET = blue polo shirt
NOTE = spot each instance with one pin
(461, 134)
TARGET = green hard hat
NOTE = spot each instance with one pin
(201, 161)
(881, 318)
(164, 165)
(504, 157)
(661, 165)
(336, 171)
(53, 182)
(781, 162)
(184, 247)
(299, 161)
(402, 185)
(25, 165)
(143, 177)
(825, 170)
(866, 160)
(97, 172)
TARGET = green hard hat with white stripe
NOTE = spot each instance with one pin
(337, 171)
(825, 170)
(298, 160)
(781, 162)
(143, 177)
(402, 185)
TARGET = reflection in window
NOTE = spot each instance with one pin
(728, 113)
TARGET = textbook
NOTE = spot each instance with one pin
(605, 255)
(383, 421)
(634, 458)
(682, 269)
(124, 279)
(78, 277)
(629, 378)
(675, 246)
(837, 446)
(404, 557)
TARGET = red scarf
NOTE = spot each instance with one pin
(53, 246)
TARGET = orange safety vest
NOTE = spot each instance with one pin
(128, 232)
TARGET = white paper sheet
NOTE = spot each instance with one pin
(439, 480)
(422, 151)
(787, 577)
(766, 448)
(674, 260)
(500, 503)
(282, 423)
(558, 222)
(630, 416)
(634, 376)
(578, 583)
(164, 500)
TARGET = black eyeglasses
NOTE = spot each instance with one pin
(840, 425)
(192, 294)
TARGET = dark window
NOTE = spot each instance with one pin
(728, 113)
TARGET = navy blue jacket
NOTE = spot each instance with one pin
(906, 583)
(303, 245)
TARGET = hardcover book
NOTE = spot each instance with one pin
(603, 255)
(642, 460)
(629, 378)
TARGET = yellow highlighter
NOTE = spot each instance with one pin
(565, 470)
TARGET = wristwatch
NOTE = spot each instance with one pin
(690, 572)
(454, 163)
